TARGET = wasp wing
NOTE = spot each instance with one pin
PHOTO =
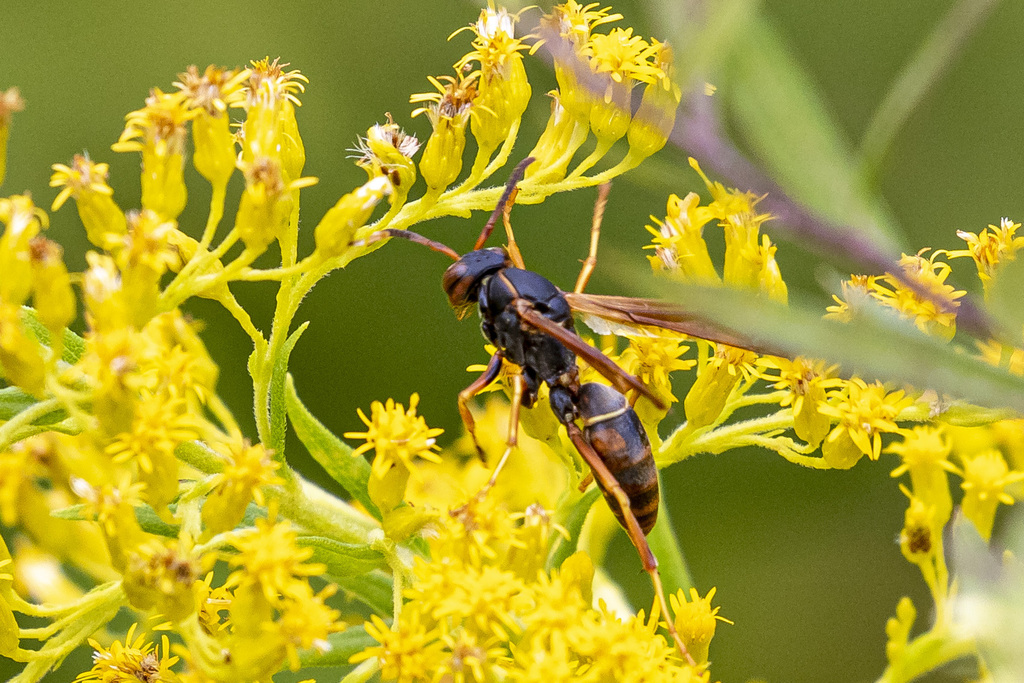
(645, 317)
(620, 379)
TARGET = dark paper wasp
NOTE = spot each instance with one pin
(530, 323)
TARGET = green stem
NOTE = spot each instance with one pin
(683, 443)
(9, 430)
(319, 512)
(675, 574)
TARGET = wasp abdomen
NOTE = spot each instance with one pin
(613, 430)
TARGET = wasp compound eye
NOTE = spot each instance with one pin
(463, 278)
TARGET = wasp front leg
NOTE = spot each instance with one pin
(481, 383)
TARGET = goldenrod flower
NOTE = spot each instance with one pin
(159, 575)
(986, 478)
(807, 382)
(855, 292)
(136, 659)
(398, 436)
(989, 248)
(921, 534)
(248, 470)
(266, 205)
(210, 94)
(388, 150)
(23, 221)
(864, 412)
(270, 560)
(112, 506)
(715, 383)
(695, 621)
(158, 132)
(925, 451)
(86, 182)
(270, 129)
(441, 161)
(411, 652)
(678, 242)
(142, 256)
(935, 311)
(651, 126)
(306, 620)
(52, 295)
(503, 90)
(21, 355)
(336, 229)
(652, 360)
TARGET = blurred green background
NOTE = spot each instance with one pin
(805, 562)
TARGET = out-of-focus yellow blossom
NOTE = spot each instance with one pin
(695, 621)
(441, 161)
(159, 575)
(52, 296)
(248, 470)
(652, 124)
(855, 292)
(863, 413)
(925, 451)
(10, 102)
(986, 478)
(625, 59)
(135, 658)
(23, 221)
(999, 355)
(86, 182)
(112, 506)
(989, 248)
(807, 383)
(897, 629)
(933, 312)
(210, 94)
(158, 132)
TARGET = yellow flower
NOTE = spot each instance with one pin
(136, 659)
(336, 229)
(921, 535)
(388, 150)
(441, 161)
(86, 181)
(158, 132)
(864, 412)
(679, 244)
(925, 451)
(398, 436)
(715, 382)
(807, 382)
(504, 92)
(649, 130)
(210, 94)
(986, 478)
(23, 221)
(855, 292)
(160, 575)
(652, 360)
(989, 248)
(266, 206)
(935, 311)
(695, 621)
(270, 129)
(52, 295)
(248, 470)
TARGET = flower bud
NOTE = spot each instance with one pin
(334, 232)
(10, 102)
(52, 295)
(87, 182)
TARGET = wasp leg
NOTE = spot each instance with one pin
(609, 483)
(517, 174)
(489, 375)
(595, 234)
(586, 481)
(514, 254)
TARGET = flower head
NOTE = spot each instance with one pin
(398, 436)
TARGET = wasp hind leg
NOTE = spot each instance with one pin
(595, 235)
(608, 482)
(478, 385)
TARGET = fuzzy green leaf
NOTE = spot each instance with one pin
(780, 113)
(343, 559)
(74, 346)
(373, 589)
(342, 645)
(333, 454)
(876, 345)
(278, 415)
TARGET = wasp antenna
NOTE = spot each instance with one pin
(414, 237)
(517, 174)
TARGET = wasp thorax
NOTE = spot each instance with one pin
(463, 278)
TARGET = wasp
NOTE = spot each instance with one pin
(531, 325)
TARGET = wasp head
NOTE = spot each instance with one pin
(463, 278)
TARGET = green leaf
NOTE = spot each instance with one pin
(876, 345)
(333, 454)
(74, 346)
(343, 645)
(374, 590)
(780, 112)
(1004, 298)
(13, 401)
(146, 516)
(73, 512)
(343, 559)
(278, 418)
(573, 524)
